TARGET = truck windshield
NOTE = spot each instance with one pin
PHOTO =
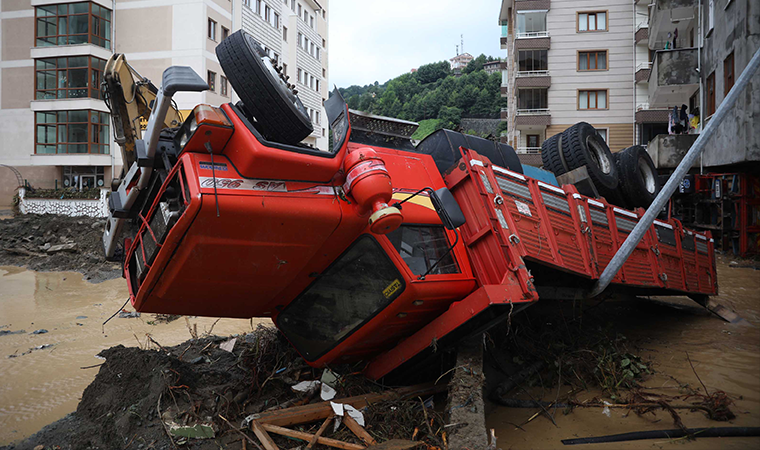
(357, 286)
(421, 246)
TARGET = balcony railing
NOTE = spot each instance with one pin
(533, 73)
(533, 112)
(532, 34)
(643, 66)
(528, 150)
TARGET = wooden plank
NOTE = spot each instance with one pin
(320, 411)
(397, 444)
(321, 430)
(263, 436)
(357, 429)
(307, 437)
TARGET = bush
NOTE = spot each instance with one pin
(89, 194)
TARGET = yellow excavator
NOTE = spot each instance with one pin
(131, 97)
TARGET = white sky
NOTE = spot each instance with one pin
(376, 40)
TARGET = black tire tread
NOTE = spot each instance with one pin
(280, 120)
(575, 156)
(631, 185)
(550, 155)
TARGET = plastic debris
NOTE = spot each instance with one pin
(340, 409)
(229, 345)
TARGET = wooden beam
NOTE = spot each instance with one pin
(321, 430)
(307, 437)
(322, 410)
(263, 436)
(357, 429)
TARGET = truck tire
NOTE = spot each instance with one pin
(639, 182)
(280, 115)
(615, 196)
(550, 155)
(582, 146)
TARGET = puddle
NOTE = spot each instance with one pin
(725, 356)
(44, 385)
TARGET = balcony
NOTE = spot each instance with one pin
(528, 150)
(673, 78)
(540, 117)
(503, 113)
(667, 15)
(536, 40)
(645, 114)
(642, 32)
(642, 71)
(533, 79)
(667, 150)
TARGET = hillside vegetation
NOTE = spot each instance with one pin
(432, 96)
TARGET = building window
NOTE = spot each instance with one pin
(300, 39)
(73, 23)
(86, 177)
(532, 60)
(212, 29)
(592, 99)
(311, 21)
(299, 10)
(728, 73)
(211, 80)
(225, 33)
(74, 77)
(285, 69)
(258, 7)
(267, 13)
(300, 73)
(72, 132)
(293, 5)
(711, 94)
(532, 99)
(285, 34)
(530, 24)
(592, 21)
(710, 15)
(247, 3)
(324, 73)
(223, 85)
(276, 21)
(596, 60)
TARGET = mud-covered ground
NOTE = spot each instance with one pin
(56, 243)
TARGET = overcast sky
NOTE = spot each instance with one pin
(376, 40)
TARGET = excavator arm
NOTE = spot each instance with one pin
(130, 97)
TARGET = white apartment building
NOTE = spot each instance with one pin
(294, 32)
(567, 61)
(54, 126)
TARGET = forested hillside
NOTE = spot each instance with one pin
(432, 92)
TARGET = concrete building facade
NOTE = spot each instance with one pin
(567, 61)
(55, 125)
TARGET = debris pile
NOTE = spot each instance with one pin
(56, 243)
(209, 392)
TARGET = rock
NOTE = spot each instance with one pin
(128, 315)
(70, 247)
(47, 246)
(5, 332)
(40, 331)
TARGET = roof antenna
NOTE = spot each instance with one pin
(461, 36)
(457, 50)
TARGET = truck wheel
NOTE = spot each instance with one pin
(550, 155)
(582, 146)
(280, 115)
(615, 196)
(639, 182)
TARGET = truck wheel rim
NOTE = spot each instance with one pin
(598, 155)
(647, 176)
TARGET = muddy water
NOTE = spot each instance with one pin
(42, 386)
(725, 356)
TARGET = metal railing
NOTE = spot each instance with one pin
(643, 66)
(528, 150)
(532, 34)
(532, 73)
(533, 112)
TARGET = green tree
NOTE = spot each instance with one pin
(450, 117)
(430, 73)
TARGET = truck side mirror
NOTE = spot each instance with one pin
(447, 208)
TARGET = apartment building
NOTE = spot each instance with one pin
(567, 61)
(716, 39)
(54, 124)
(294, 33)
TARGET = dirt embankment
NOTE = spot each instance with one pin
(56, 243)
(148, 398)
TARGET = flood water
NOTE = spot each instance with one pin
(726, 357)
(42, 386)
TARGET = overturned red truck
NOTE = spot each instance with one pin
(373, 250)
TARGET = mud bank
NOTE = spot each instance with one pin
(56, 243)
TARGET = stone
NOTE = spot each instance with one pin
(70, 247)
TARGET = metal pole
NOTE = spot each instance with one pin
(688, 160)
